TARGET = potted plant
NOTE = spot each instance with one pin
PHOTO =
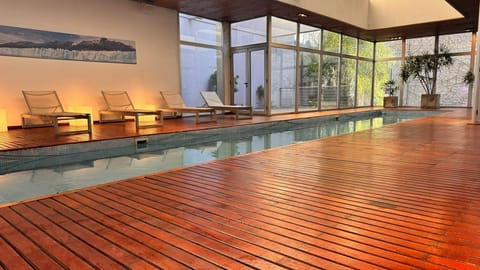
(390, 87)
(424, 67)
(260, 92)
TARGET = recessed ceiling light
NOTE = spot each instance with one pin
(302, 15)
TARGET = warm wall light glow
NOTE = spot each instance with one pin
(3, 120)
(150, 107)
(80, 109)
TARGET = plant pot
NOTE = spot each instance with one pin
(430, 101)
(390, 102)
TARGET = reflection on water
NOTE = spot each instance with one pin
(31, 183)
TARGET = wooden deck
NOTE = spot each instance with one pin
(405, 196)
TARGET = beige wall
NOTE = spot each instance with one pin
(378, 14)
(352, 11)
(388, 13)
(79, 83)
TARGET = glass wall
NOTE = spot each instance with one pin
(364, 84)
(311, 68)
(388, 57)
(309, 84)
(327, 69)
(330, 81)
(349, 45)
(310, 37)
(347, 83)
(200, 58)
(249, 32)
(450, 85)
(283, 84)
(284, 31)
(198, 30)
(384, 71)
(365, 49)
(331, 41)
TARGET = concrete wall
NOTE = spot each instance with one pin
(78, 83)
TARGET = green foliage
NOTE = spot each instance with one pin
(390, 87)
(469, 78)
(329, 71)
(423, 67)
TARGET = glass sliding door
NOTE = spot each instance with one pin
(257, 80)
(249, 78)
(239, 80)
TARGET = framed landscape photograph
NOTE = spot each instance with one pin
(23, 42)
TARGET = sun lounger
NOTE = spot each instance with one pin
(119, 104)
(46, 106)
(213, 101)
(174, 103)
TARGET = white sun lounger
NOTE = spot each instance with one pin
(213, 101)
(174, 103)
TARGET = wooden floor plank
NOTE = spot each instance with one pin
(404, 196)
(30, 252)
(287, 256)
(95, 257)
(155, 250)
(63, 256)
(11, 259)
(329, 242)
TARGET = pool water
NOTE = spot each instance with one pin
(33, 176)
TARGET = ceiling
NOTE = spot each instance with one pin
(238, 10)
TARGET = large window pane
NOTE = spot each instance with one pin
(199, 69)
(413, 90)
(309, 81)
(458, 42)
(257, 79)
(384, 71)
(310, 37)
(418, 46)
(199, 30)
(347, 83)
(349, 45)
(283, 80)
(450, 86)
(329, 72)
(331, 41)
(240, 78)
(249, 32)
(284, 31)
(388, 49)
(364, 83)
(365, 49)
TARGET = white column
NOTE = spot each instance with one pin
(476, 84)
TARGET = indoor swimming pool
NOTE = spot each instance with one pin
(28, 174)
